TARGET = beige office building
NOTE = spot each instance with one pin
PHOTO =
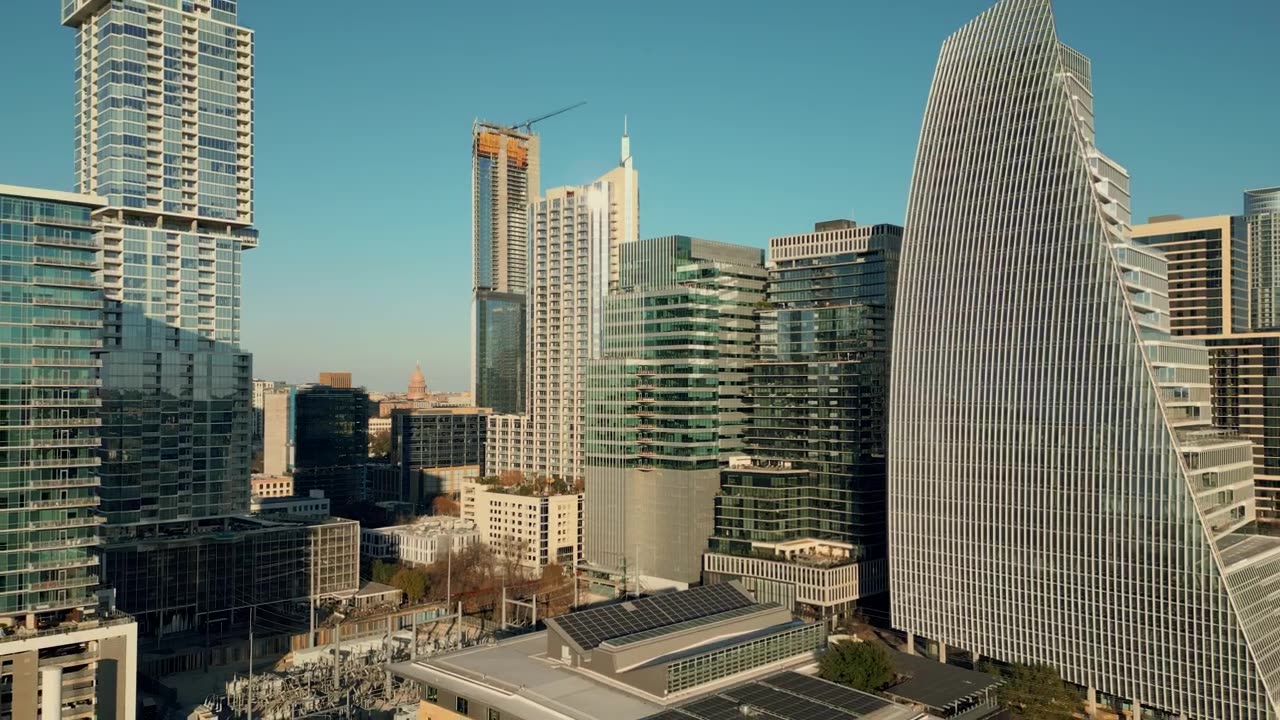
(576, 234)
(76, 671)
(536, 530)
(277, 432)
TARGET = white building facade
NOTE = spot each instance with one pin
(422, 543)
(535, 530)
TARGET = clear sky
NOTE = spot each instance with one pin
(748, 118)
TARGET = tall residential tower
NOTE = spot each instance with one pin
(1262, 212)
(504, 180)
(1056, 492)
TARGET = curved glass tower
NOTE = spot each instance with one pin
(1056, 492)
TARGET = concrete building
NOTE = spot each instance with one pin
(815, 499)
(576, 236)
(336, 380)
(504, 180)
(634, 660)
(435, 450)
(270, 486)
(1262, 214)
(61, 655)
(421, 543)
(313, 506)
(279, 439)
(535, 529)
(260, 390)
(331, 445)
(664, 405)
(1057, 494)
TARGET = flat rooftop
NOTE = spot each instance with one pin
(518, 672)
(789, 696)
(934, 684)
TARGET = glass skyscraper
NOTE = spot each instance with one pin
(817, 425)
(1057, 493)
(504, 180)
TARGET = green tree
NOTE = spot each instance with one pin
(861, 665)
(383, 572)
(412, 581)
(1035, 692)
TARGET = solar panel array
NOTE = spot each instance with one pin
(589, 628)
(686, 625)
(785, 696)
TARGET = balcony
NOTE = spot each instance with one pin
(64, 282)
(66, 402)
(67, 242)
(90, 343)
(67, 523)
(63, 462)
(76, 442)
(66, 322)
(56, 483)
(64, 222)
(66, 362)
(64, 503)
(67, 422)
(59, 302)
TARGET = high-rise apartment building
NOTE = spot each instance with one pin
(1209, 299)
(278, 430)
(164, 128)
(805, 524)
(61, 655)
(577, 233)
(434, 450)
(504, 180)
(260, 390)
(1262, 213)
(664, 408)
(331, 442)
(1057, 494)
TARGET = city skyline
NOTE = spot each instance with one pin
(699, 128)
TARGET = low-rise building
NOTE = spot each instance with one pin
(77, 669)
(537, 528)
(270, 486)
(420, 543)
(641, 658)
(313, 505)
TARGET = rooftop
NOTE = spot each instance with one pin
(789, 696)
(590, 628)
(934, 684)
(427, 526)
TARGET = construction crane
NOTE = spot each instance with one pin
(527, 125)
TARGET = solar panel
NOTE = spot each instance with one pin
(827, 693)
(589, 628)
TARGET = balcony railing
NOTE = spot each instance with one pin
(56, 241)
(64, 222)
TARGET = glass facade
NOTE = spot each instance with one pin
(500, 351)
(1057, 494)
(331, 442)
(713, 665)
(50, 322)
(664, 405)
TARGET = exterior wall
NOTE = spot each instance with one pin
(664, 407)
(421, 544)
(810, 590)
(341, 380)
(275, 486)
(536, 530)
(1246, 399)
(1049, 495)
(332, 446)
(499, 364)
(91, 669)
(50, 320)
(300, 507)
(278, 431)
(1208, 272)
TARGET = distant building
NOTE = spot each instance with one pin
(417, 385)
(271, 486)
(434, 449)
(1262, 213)
(379, 425)
(637, 659)
(1208, 271)
(278, 430)
(340, 380)
(260, 390)
(534, 530)
(664, 407)
(421, 543)
(314, 506)
(332, 441)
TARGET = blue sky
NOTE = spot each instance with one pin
(749, 119)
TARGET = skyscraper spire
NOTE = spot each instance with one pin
(625, 160)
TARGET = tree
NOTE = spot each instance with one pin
(556, 588)
(412, 581)
(445, 505)
(1035, 692)
(510, 478)
(861, 665)
(383, 572)
(380, 444)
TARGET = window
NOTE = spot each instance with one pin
(433, 694)
(461, 705)
(494, 714)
